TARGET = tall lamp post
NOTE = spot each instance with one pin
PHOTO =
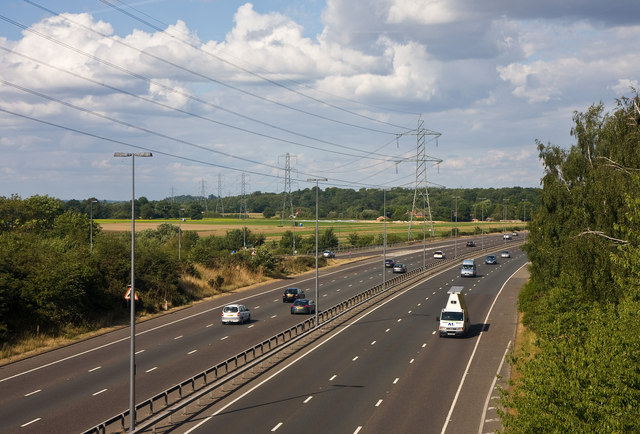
(293, 218)
(524, 217)
(504, 220)
(455, 240)
(180, 232)
(132, 292)
(91, 202)
(482, 199)
(316, 180)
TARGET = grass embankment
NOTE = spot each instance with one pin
(200, 289)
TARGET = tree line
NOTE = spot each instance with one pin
(583, 299)
(509, 203)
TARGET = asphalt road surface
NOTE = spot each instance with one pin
(388, 371)
(76, 387)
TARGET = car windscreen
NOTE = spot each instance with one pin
(452, 316)
(301, 302)
(291, 290)
(230, 309)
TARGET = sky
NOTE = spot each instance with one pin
(234, 97)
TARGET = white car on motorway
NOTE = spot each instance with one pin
(237, 313)
(438, 254)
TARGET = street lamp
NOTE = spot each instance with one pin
(132, 292)
(316, 180)
(91, 202)
(455, 239)
(293, 217)
(504, 220)
(384, 240)
(482, 199)
(180, 232)
(524, 217)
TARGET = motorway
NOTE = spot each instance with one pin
(74, 388)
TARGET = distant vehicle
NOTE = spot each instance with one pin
(389, 263)
(303, 305)
(328, 254)
(468, 268)
(506, 236)
(399, 268)
(438, 254)
(471, 244)
(505, 254)
(491, 260)
(292, 294)
(237, 313)
(514, 234)
(454, 317)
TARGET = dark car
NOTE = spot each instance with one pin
(471, 244)
(303, 305)
(389, 263)
(399, 268)
(491, 260)
(292, 294)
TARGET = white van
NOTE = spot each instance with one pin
(454, 318)
(468, 268)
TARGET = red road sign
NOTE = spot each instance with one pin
(127, 296)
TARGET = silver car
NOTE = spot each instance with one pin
(237, 313)
(399, 268)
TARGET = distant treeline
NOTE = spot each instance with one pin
(513, 203)
(583, 300)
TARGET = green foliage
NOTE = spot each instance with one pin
(584, 295)
(327, 240)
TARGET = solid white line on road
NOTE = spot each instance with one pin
(275, 428)
(333, 378)
(307, 353)
(177, 337)
(139, 352)
(473, 353)
(396, 380)
(29, 423)
(34, 392)
(222, 339)
(152, 369)
(191, 352)
(99, 392)
(378, 403)
(354, 359)
(357, 430)
(94, 369)
(307, 400)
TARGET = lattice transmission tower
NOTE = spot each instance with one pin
(219, 202)
(287, 202)
(421, 185)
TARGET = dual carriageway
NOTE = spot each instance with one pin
(384, 371)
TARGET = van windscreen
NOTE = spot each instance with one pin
(452, 316)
